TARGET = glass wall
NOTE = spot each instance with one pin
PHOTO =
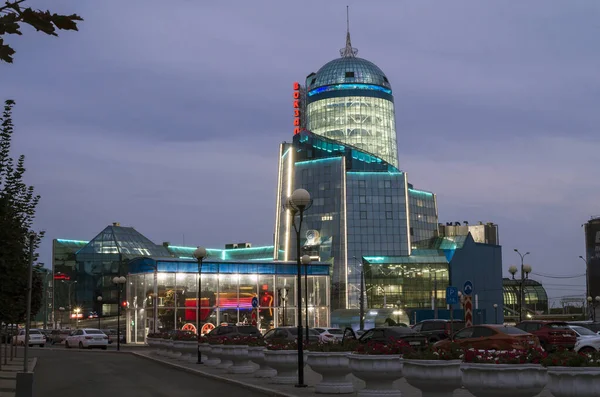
(363, 122)
(224, 298)
(410, 285)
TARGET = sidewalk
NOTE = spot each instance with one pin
(263, 385)
(8, 375)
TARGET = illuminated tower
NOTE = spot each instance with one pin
(350, 100)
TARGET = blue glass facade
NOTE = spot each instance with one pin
(362, 206)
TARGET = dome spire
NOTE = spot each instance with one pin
(348, 51)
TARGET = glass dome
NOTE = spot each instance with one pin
(348, 70)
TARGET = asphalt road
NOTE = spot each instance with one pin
(62, 373)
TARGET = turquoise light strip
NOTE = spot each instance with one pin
(420, 192)
(67, 241)
(337, 87)
(318, 160)
(375, 172)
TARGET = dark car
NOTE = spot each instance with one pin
(112, 335)
(291, 334)
(437, 330)
(58, 336)
(387, 334)
(230, 331)
(552, 334)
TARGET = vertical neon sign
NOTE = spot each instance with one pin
(296, 97)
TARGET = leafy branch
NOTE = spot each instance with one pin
(13, 15)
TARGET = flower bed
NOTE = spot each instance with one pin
(573, 374)
(331, 361)
(515, 373)
(433, 371)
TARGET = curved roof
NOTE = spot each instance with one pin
(348, 70)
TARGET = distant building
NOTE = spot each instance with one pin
(486, 233)
(592, 258)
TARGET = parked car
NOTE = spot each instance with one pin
(587, 340)
(491, 337)
(387, 334)
(437, 330)
(58, 336)
(587, 345)
(330, 334)
(230, 331)
(112, 335)
(591, 325)
(552, 334)
(36, 337)
(291, 334)
(87, 338)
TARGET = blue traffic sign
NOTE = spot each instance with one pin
(468, 288)
(254, 302)
(451, 295)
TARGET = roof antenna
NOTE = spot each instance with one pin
(348, 51)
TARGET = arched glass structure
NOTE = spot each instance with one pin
(536, 299)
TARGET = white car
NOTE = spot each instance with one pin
(330, 334)
(587, 341)
(87, 338)
(35, 338)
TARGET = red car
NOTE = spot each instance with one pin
(552, 334)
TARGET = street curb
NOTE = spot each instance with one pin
(264, 390)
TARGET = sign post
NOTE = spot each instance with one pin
(451, 299)
(468, 290)
(254, 310)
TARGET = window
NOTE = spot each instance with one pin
(433, 325)
(417, 328)
(464, 334)
(349, 74)
(361, 183)
(389, 215)
(362, 199)
(388, 184)
(363, 214)
(483, 332)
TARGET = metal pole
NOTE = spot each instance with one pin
(45, 289)
(496, 314)
(521, 292)
(306, 298)
(119, 317)
(155, 298)
(299, 305)
(361, 300)
(28, 315)
(198, 306)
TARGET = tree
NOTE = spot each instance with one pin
(13, 15)
(18, 203)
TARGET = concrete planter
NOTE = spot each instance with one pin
(238, 354)
(501, 380)
(171, 351)
(257, 355)
(435, 378)
(285, 362)
(217, 351)
(208, 357)
(334, 368)
(379, 371)
(574, 381)
(188, 350)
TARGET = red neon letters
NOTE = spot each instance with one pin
(296, 96)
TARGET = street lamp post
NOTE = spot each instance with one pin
(593, 303)
(306, 261)
(199, 254)
(28, 315)
(525, 270)
(99, 299)
(496, 312)
(119, 281)
(297, 203)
